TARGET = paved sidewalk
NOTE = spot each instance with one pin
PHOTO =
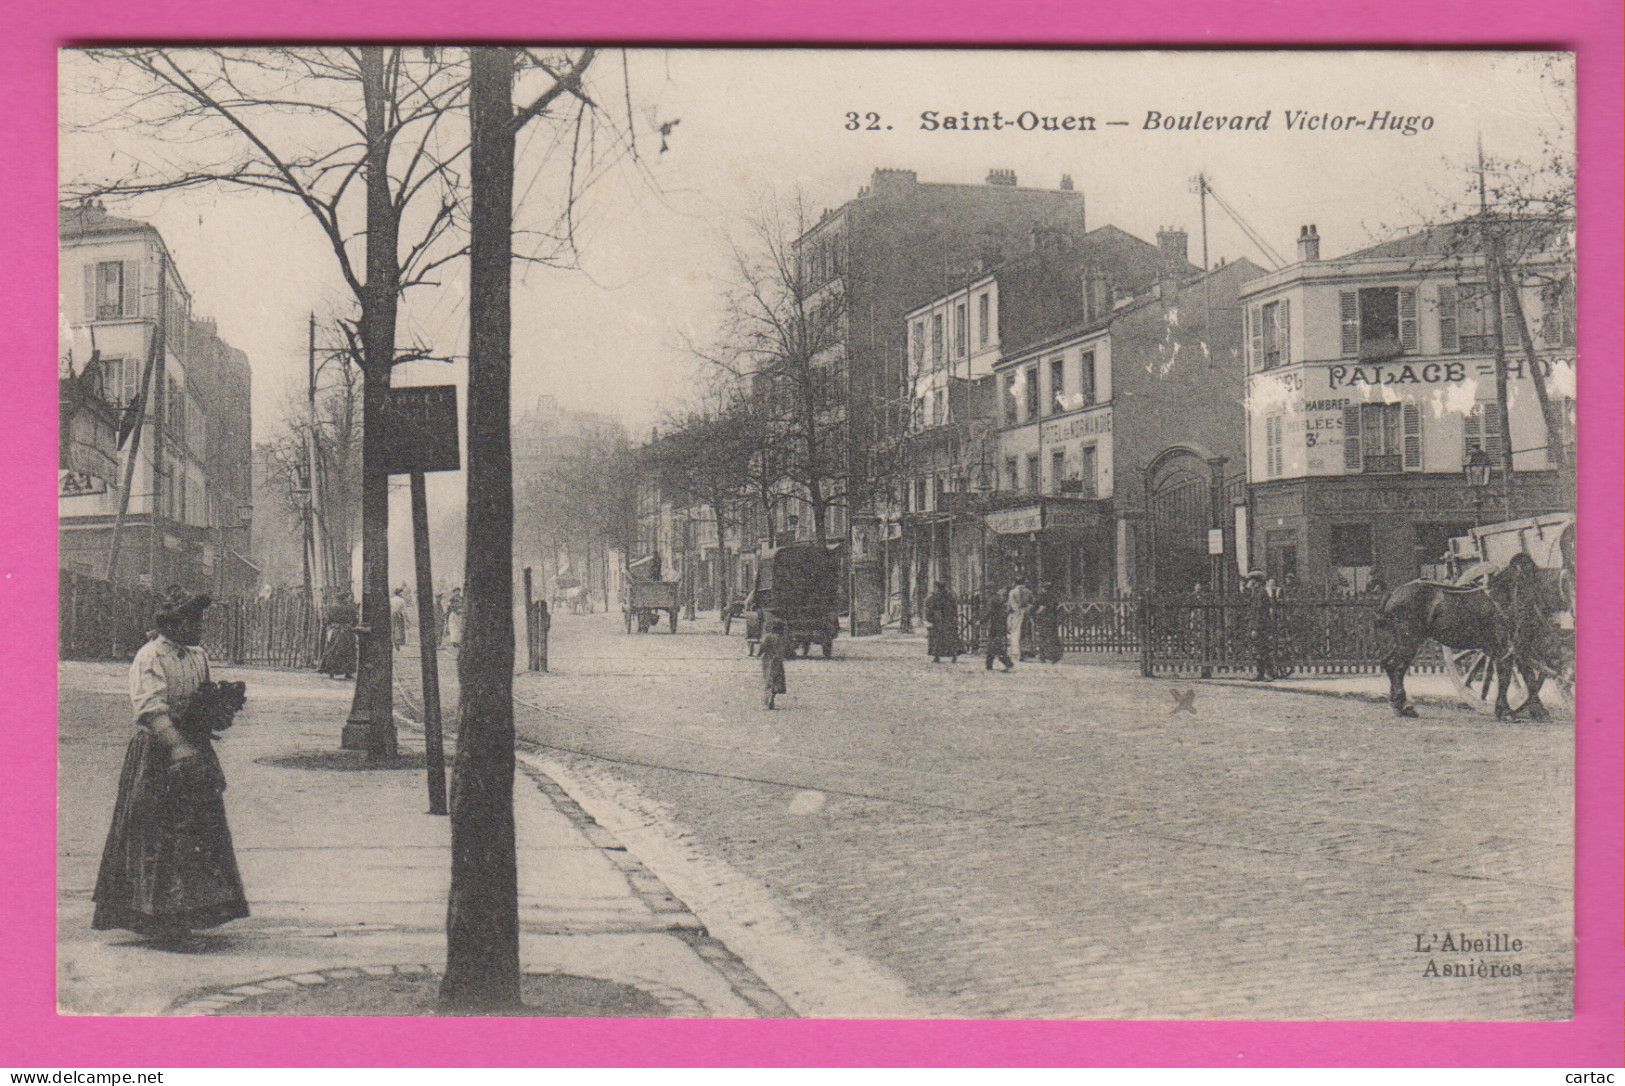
(347, 878)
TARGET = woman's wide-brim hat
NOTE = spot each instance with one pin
(181, 606)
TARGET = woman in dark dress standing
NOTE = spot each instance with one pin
(168, 867)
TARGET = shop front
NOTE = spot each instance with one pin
(1070, 543)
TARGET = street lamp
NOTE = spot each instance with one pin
(1477, 469)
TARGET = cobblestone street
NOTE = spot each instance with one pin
(1061, 843)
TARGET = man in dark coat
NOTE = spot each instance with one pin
(1261, 617)
(942, 624)
(1046, 623)
(998, 631)
(773, 649)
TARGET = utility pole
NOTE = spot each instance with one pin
(318, 546)
(1492, 257)
(482, 915)
(160, 422)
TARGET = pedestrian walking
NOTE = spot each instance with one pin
(942, 624)
(997, 638)
(397, 616)
(1046, 623)
(456, 616)
(1261, 620)
(772, 650)
(168, 866)
(1020, 602)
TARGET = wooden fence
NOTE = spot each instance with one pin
(101, 621)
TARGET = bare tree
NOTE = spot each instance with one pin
(366, 140)
(783, 341)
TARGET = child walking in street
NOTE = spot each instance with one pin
(772, 653)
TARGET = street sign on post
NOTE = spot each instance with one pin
(420, 429)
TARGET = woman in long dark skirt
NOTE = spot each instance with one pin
(942, 624)
(168, 867)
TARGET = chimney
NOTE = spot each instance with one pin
(1006, 178)
(1066, 182)
(1308, 243)
(1174, 245)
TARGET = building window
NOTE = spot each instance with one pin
(1086, 379)
(1010, 475)
(1273, 327)
(1382, 437)
(939, 408)
(1030, 376)
(936, 337)
(1377, 322)
(919, 495)
(1087, 470)
(1057, 384)
(120, 381)
(1272, 447)
(1010, 396)
(919, 342)
(1034, 483)
(960, 332)
(109, 291)
(984, 319)
(1481, 429)
(1057, 471)
(1465, 323)
(1557, 314)
(1352, 557)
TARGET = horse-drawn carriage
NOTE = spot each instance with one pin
(1505, 622)
(646, 598)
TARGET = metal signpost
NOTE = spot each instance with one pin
(420, 435)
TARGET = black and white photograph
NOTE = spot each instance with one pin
(788, 533)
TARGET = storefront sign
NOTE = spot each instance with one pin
(1215, 540)
(420, 429)
(1065, 516)
(73, 484)
(1027, 518)
(1084, 425)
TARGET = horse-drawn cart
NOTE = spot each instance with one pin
(1548, 541)
(645, 600)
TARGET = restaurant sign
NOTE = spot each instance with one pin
(1022, 519)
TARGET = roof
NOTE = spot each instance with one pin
(1461, 236)
(89, 219)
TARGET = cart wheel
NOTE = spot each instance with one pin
(1475, 675)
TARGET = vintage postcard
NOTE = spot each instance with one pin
(982, 534)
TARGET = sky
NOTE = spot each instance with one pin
(759, 126)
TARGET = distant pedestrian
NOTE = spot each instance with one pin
(1046, 623)
(1261, 620)
(168, 867)
(772, 651)
(997, 638)
(1020, 602)
(397, 616)
(338, 651)
(456, 617)
(942, 624)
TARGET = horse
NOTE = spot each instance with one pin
(1507, 616)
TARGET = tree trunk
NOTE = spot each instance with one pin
(371, 724)
(482, 916)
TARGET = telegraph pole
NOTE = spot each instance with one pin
(1492, 257)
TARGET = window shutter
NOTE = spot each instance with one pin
(1272, 447)
(1493, 432)
(90, 291)
(1407, 319)
(1348, 307)
(1255, 336)
(1449, 342)
(132, 288)
(1509, 316)
(1412, 413)
(1352, 460)
(1286, 331)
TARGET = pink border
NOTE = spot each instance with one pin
(35, 1036)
